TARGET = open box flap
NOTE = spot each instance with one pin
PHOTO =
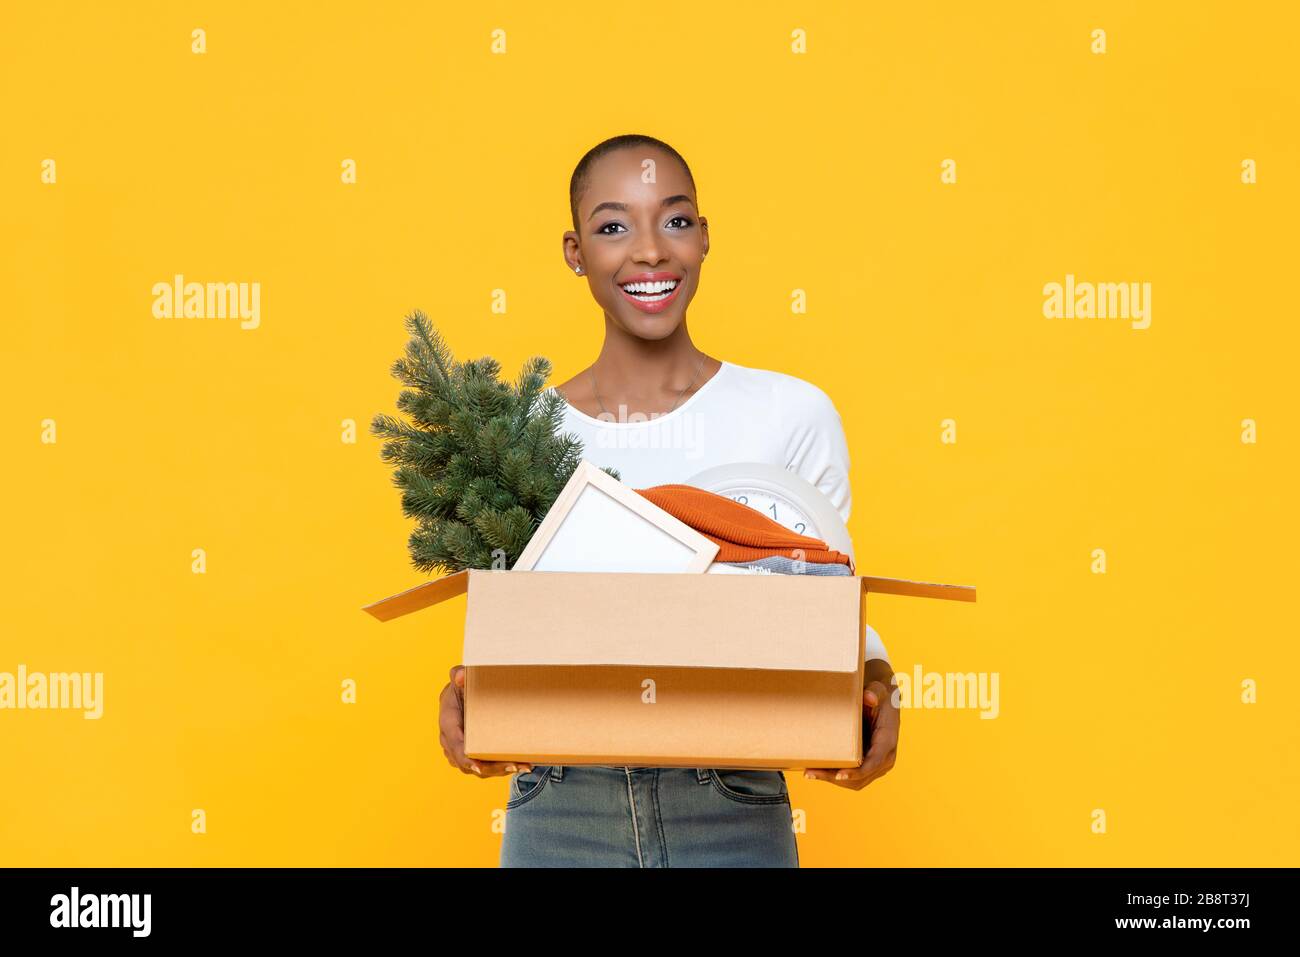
(420, 596)
(902, 586)
(449, 586)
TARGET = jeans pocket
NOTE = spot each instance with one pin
(751, 787)
(526, 785)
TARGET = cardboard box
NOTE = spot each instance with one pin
(660, 669)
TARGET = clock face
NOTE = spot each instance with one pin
(786, 498)
(777, 507)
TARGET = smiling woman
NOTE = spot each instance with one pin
(639, 239)
(640, 242)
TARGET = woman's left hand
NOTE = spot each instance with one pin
(880, 723)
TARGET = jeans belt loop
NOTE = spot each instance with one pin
(702, 775)
(557, 772)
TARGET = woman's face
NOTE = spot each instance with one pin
(640, 244)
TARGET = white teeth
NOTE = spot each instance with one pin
(651, 288)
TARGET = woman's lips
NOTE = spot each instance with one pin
(653, 307)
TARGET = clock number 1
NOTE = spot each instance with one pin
(798, 526)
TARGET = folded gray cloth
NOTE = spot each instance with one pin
(780, 565)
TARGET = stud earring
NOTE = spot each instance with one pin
(578, 270)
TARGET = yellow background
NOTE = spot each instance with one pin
(1119, 692)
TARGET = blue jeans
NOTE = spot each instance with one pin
(595, 816)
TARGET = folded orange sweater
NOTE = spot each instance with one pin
(743, 533)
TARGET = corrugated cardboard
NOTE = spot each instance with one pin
(673, 670)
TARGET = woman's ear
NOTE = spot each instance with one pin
(704, 231)
(571, 249)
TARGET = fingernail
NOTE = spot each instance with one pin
(810, 776)
(510, 768)
(841, 776)
(476, 769)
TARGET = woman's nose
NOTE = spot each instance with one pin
(648, 252)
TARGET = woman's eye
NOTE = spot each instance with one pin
(609, 229)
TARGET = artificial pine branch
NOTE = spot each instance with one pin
(482, 462)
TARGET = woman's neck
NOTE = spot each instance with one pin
(650, 377)
(645, 368)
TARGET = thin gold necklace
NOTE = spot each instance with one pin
(698, 370)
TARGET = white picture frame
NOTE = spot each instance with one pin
(598, 524)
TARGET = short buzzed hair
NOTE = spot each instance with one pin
(582, 172)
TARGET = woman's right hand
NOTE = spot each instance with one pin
(451, 732)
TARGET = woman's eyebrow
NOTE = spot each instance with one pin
(622, 207)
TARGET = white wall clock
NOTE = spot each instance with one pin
(792, 501)
(789, 499)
